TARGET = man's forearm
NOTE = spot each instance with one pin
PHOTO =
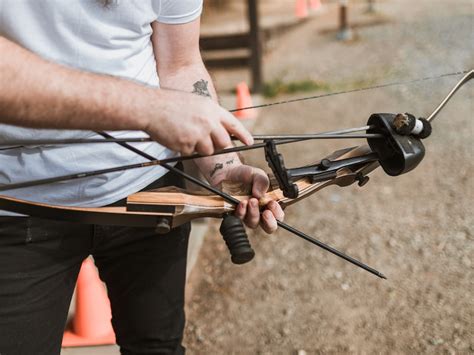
(38, 93)
(195, 78)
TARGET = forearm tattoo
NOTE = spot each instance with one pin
(201, 88)
(217, 167)
(220, 166)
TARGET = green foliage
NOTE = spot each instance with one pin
(278, 87)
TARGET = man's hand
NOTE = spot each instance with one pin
(55, 96)
(248, 211)
(202, 123)
(189, 123)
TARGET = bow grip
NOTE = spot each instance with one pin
(236, 238)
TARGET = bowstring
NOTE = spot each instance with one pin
(341, 93)
(314, 97)
(379, 86)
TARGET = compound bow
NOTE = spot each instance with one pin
(394, 143)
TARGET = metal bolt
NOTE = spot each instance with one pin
(362, 180)
(163, 226)
(325, 164)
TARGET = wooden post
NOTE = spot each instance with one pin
(255, 46)
(371, 6)
(345, 33)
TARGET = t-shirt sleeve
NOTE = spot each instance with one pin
(176, 12)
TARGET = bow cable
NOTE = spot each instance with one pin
(380, 86)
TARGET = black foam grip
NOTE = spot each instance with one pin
(236, 239)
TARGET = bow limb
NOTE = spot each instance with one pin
(177, 206)
(87, 215)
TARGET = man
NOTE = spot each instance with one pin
(68, 68)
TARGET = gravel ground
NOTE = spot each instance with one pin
(418, 229)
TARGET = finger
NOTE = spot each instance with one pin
(241, 209)
(236, 128)
(276, 210)
(268, 222)
(205, 146)
(260, 183)
(187, 149)
(252, 216)
(220, 137)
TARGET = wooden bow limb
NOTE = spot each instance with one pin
(178, 206)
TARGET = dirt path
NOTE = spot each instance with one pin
(418, 229)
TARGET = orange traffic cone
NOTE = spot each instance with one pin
(244, 100)
(91, 324)
(315, 5)
(301, 9)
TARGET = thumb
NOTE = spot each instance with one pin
(251, 176)
(260, 183)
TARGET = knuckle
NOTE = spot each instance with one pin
(258, 171)
(207, 149)
(233, 125)
(268, 228)
(239, 214)
(188, 148)
(184, 140)
(203, 122)
(222, 142)
(210, 150)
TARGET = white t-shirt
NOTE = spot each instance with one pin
(114, 39)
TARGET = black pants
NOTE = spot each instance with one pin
(144, 272)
